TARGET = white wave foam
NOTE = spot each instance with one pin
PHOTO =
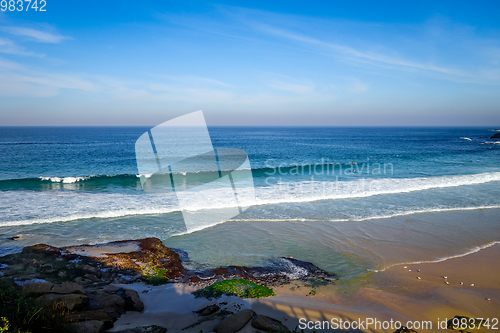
(101, 215)
(65, 180)
(309, 191)
(31, 207)
(466, 253)
(465, 138)
(490, 142)
(375, 217)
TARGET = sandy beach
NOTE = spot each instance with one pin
(395, 294)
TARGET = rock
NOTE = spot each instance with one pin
(81, 281)
(113, 304)
(404, 329)
(69, 301)
(145, 329)
(92, 277)
(235, 322)
(89, 326)
(68, 288)
(147, 250)
(90, 269)
(268, 324)
(35, 289)
(110, 288)
(208, 310)
(132, 300)
(98, 315)
(495, 136)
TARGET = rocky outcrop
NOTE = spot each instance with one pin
(35, 289)
(68, 301)
(98, 315)
(67, 288)
(208, 310)
(80, 278)
(268, 324)
(102, 264)
(495, 136)
(102, 304)
(150, 251)
(235, 322)
(71, 263)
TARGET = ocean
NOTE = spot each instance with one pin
(350, 200)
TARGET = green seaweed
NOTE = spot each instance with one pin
(235, 287)
(153, 275)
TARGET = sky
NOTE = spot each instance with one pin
(251, 63)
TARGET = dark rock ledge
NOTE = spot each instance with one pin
(81, 277)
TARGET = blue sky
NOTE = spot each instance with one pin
(279, 63)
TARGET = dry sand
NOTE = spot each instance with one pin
(394, 294)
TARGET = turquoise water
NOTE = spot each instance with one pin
(347, 199)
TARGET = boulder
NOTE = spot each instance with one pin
(208, 310)
(235, 322)
(35, 289)
(268, 324)
(69, 301)
(68, 288)
(97, 315)
(495, 136)
(113, 304)
(89, 326)
(92, 278)
(132, 300)
(145, 329)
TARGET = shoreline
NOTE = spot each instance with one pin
(392, 294)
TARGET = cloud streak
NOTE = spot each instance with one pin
(36, 35)
(7, 46)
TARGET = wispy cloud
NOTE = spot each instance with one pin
(353, 52)
(396, 47)
(36, 35)
(18, 80)
(7, 46)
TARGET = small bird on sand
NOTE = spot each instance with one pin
(461, 283)
(418, 278)
(488, 299)
(447, 282)
(445, 277)
(472, 284)
(409, 270)
(418, 270)
(405, 267)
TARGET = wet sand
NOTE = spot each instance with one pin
(394, 294)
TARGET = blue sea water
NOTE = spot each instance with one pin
(347, 199)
